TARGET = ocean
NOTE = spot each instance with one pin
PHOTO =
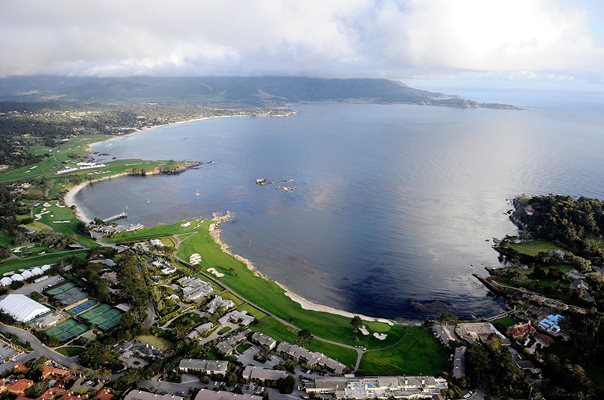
(393, 204)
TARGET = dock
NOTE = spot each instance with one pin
(121, 215)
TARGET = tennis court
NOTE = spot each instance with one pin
(60, 289)
(71, 296)
(104, 316)
(88, 304)
(67, 330)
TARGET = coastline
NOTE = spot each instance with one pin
(146, 129)
(306, 304)
(215, 232)
(69, 197)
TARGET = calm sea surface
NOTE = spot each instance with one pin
(393, 203)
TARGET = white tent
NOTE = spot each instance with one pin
(6, 281)
(22, 308)
(37, 271)
(45, 268)
(16, 277)
(27, 274)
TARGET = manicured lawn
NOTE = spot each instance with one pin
(158, 343)
(504, 323)
(417, 353)
(271, 297)
(14, 265)
(280, 333)
(62, 219)
(49, 165)
(161, 230)
(70, 351)
(252, 311)
(243, 347)
(224, 330)
(534, 247)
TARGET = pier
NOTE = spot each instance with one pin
(121, 215)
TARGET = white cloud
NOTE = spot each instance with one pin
(325, 38)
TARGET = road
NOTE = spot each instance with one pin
(38, 346)
(537, 296)
(150, 320)
(284, 322)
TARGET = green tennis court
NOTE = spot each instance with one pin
(71, 296)
(104, 316)
(60, 289)
(67, 330)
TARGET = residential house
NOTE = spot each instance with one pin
(264, 340)
(205, 394)
(212, 367)
(251, 373)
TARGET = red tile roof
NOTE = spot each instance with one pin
(103, 394)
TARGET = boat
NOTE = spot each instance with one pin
(148, 201)
(197, 193)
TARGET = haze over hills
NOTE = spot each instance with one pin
(223, 91)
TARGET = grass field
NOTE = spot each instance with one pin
(70, 351)
(30, 262)
(268, 295)
(534, 247)
(61, 219)
(417, 353)
(504, 323)
(67, 330)
(161, 230)
(280, 332)
(66, 152)
(158, 343)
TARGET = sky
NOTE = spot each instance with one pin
(509, 40)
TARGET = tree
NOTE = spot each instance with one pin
(304, 336)
(286, 385)
(356, 323)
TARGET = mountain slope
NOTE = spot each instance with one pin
(222, 91)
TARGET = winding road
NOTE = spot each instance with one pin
(38, 346)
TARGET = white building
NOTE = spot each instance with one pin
(205, 394)
(27, 275)
(22, 308)
(263, 374)
(399, 387)
(212, 367)
(6, 281)
(142, 395)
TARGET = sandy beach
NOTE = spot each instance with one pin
(69, 198)
(69, 201)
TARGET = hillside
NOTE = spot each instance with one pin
(222, 91)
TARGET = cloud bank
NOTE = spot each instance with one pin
(335, 38)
